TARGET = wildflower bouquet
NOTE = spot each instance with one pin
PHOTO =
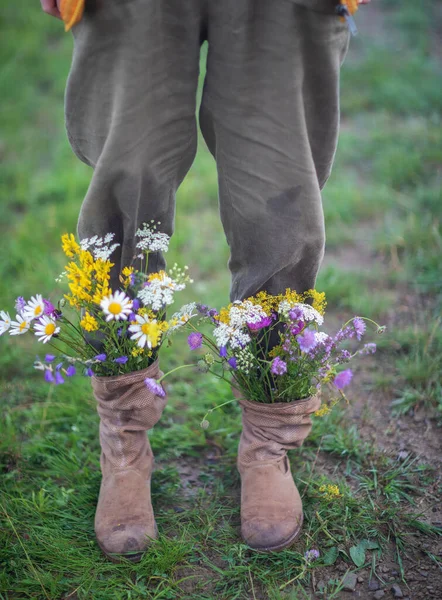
(94, 329)
(304, 358)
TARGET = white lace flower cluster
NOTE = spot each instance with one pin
(151, 240)
(321, 337)
(309, 314)
(158, 291)
(244, 360)
(244, 312)
(181, 317)
(99, 247)
(226, 335)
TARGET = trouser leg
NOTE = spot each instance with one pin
(270, 115)
(130, 114)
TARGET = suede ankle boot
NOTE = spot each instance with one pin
(271, 507)
(124, 520)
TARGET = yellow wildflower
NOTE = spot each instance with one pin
(69, 245)
(224, 316)
(137, 351)
(102, 270)
(293, 297)
(79, 293)
(89, 323)
(101, 291)
(160, 275)
(127, 271)
(331, 492)
(323, 410)
(267, 302)
(318, 300)
(126, 276)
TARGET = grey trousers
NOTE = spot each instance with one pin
(269, 115)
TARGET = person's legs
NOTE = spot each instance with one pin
(130, 114)
(270, 116)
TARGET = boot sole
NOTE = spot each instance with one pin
(120, 558)
(283, 545)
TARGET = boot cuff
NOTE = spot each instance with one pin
(116, 382)
(269, 430)
(279, 412)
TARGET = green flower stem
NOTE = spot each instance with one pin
(380, 328)
(216, 408)
(173, 370)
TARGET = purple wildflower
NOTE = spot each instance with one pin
(279, 367)
(101, 357)
(89, 372)
(343, 378)
(58, 378)
(344, 334)
(58, 367)
(297, 328)
(344, 356)
(119, 331)
(360, 327)
(20, 304)
(49, 358)
(295, 314)
(232, 362)
(155, 387)
(264, 322)
(223, 351)
(70, 371)
(311, 555)
(368, 349)
(48, 376)
(121, 360)
(132, 278)
(49, 307)
(195, 340)
(307, 341)
(286, 345)
(132, 316)
(136, 304)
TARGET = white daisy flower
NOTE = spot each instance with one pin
(20, 326)
(35, 308)
(5, 322)
(45, 328)
(116, 306)
(145, 331)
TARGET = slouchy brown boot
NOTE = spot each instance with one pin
(124, 521)
(271, 507)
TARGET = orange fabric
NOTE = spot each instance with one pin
(71, 12)
(352, 5)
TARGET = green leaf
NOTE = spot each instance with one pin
(357, 554)
(369, 545)
(330, 556)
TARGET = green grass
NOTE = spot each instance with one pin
(382, 206)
